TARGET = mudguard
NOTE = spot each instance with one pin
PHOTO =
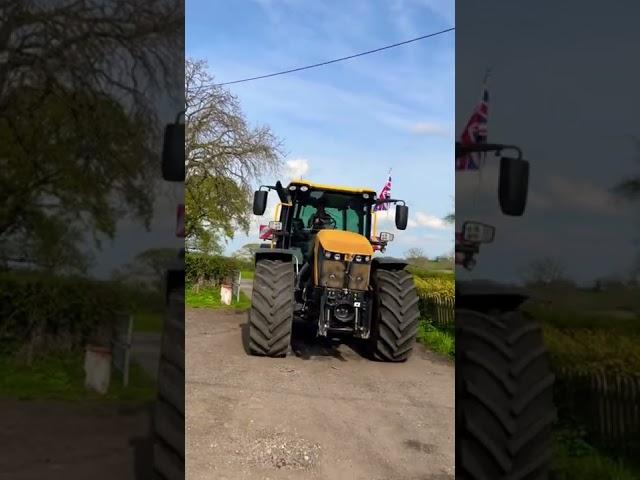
(389, 263)
(486, 295)
(279, 253)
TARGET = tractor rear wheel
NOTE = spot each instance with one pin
(396, 315)
(168, 419)
(504, 398)
(272, 304)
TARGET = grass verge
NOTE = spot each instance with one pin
(247, 274)
(148, 322)
(437, 339)
(61, 377)
(210, 298)
(576, 458)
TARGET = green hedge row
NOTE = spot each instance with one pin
(56, 311)
(209, 269)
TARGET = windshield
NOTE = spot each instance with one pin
(347, 212)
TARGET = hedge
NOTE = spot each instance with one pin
(45, 312)
(209, 269)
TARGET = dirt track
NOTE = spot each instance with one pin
(73, 441)
(323, 413)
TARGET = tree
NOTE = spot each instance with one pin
(545, 271)
(416, 256)
(224, 157)
(79, 136)
(246, 253)
(147, 268)
(451, 218)
(629, 189)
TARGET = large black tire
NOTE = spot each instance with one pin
(272, 305)
(396, 315)
(504, 398)
(168, 451)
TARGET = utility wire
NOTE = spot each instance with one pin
(335, 60)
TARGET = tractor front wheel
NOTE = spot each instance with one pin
(504, 398)
(272, 304)
(395, 315)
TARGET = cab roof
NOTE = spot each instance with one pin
(331, 188)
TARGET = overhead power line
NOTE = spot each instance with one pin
(361, 54)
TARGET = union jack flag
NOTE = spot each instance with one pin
(385, 194)
(475, 132)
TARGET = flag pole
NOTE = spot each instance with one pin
(390, 169)
(485, 81)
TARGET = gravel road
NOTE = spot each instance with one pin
(74, 441)
(322, 413)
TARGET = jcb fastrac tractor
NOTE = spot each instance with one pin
(320, 267)
(504, 399)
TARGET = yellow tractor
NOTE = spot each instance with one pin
(319, 266)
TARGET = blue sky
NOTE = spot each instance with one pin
(345, 123)
(553, 94)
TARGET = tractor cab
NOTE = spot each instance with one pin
(327, 234)
(306, 208)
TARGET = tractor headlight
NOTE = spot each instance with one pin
(304, 188)
(477, 232)
(327, 254)
(386, 237)
(337, 256)
(358, 258)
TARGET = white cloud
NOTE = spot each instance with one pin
(416, 220)
(582, 195)
(430, 221)
(429, 128)
(297, 168)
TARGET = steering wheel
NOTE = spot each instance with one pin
(325, 221)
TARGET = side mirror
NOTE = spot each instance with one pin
(260, 201)
(173, 153)
(402, 217)
(513, 185)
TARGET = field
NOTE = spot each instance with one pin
(588, 333)
(591, 330)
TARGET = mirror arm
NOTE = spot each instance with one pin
(180, 114)
(486, 147)
(391, 200)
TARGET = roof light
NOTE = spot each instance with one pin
(304, 188)
(292, 188)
